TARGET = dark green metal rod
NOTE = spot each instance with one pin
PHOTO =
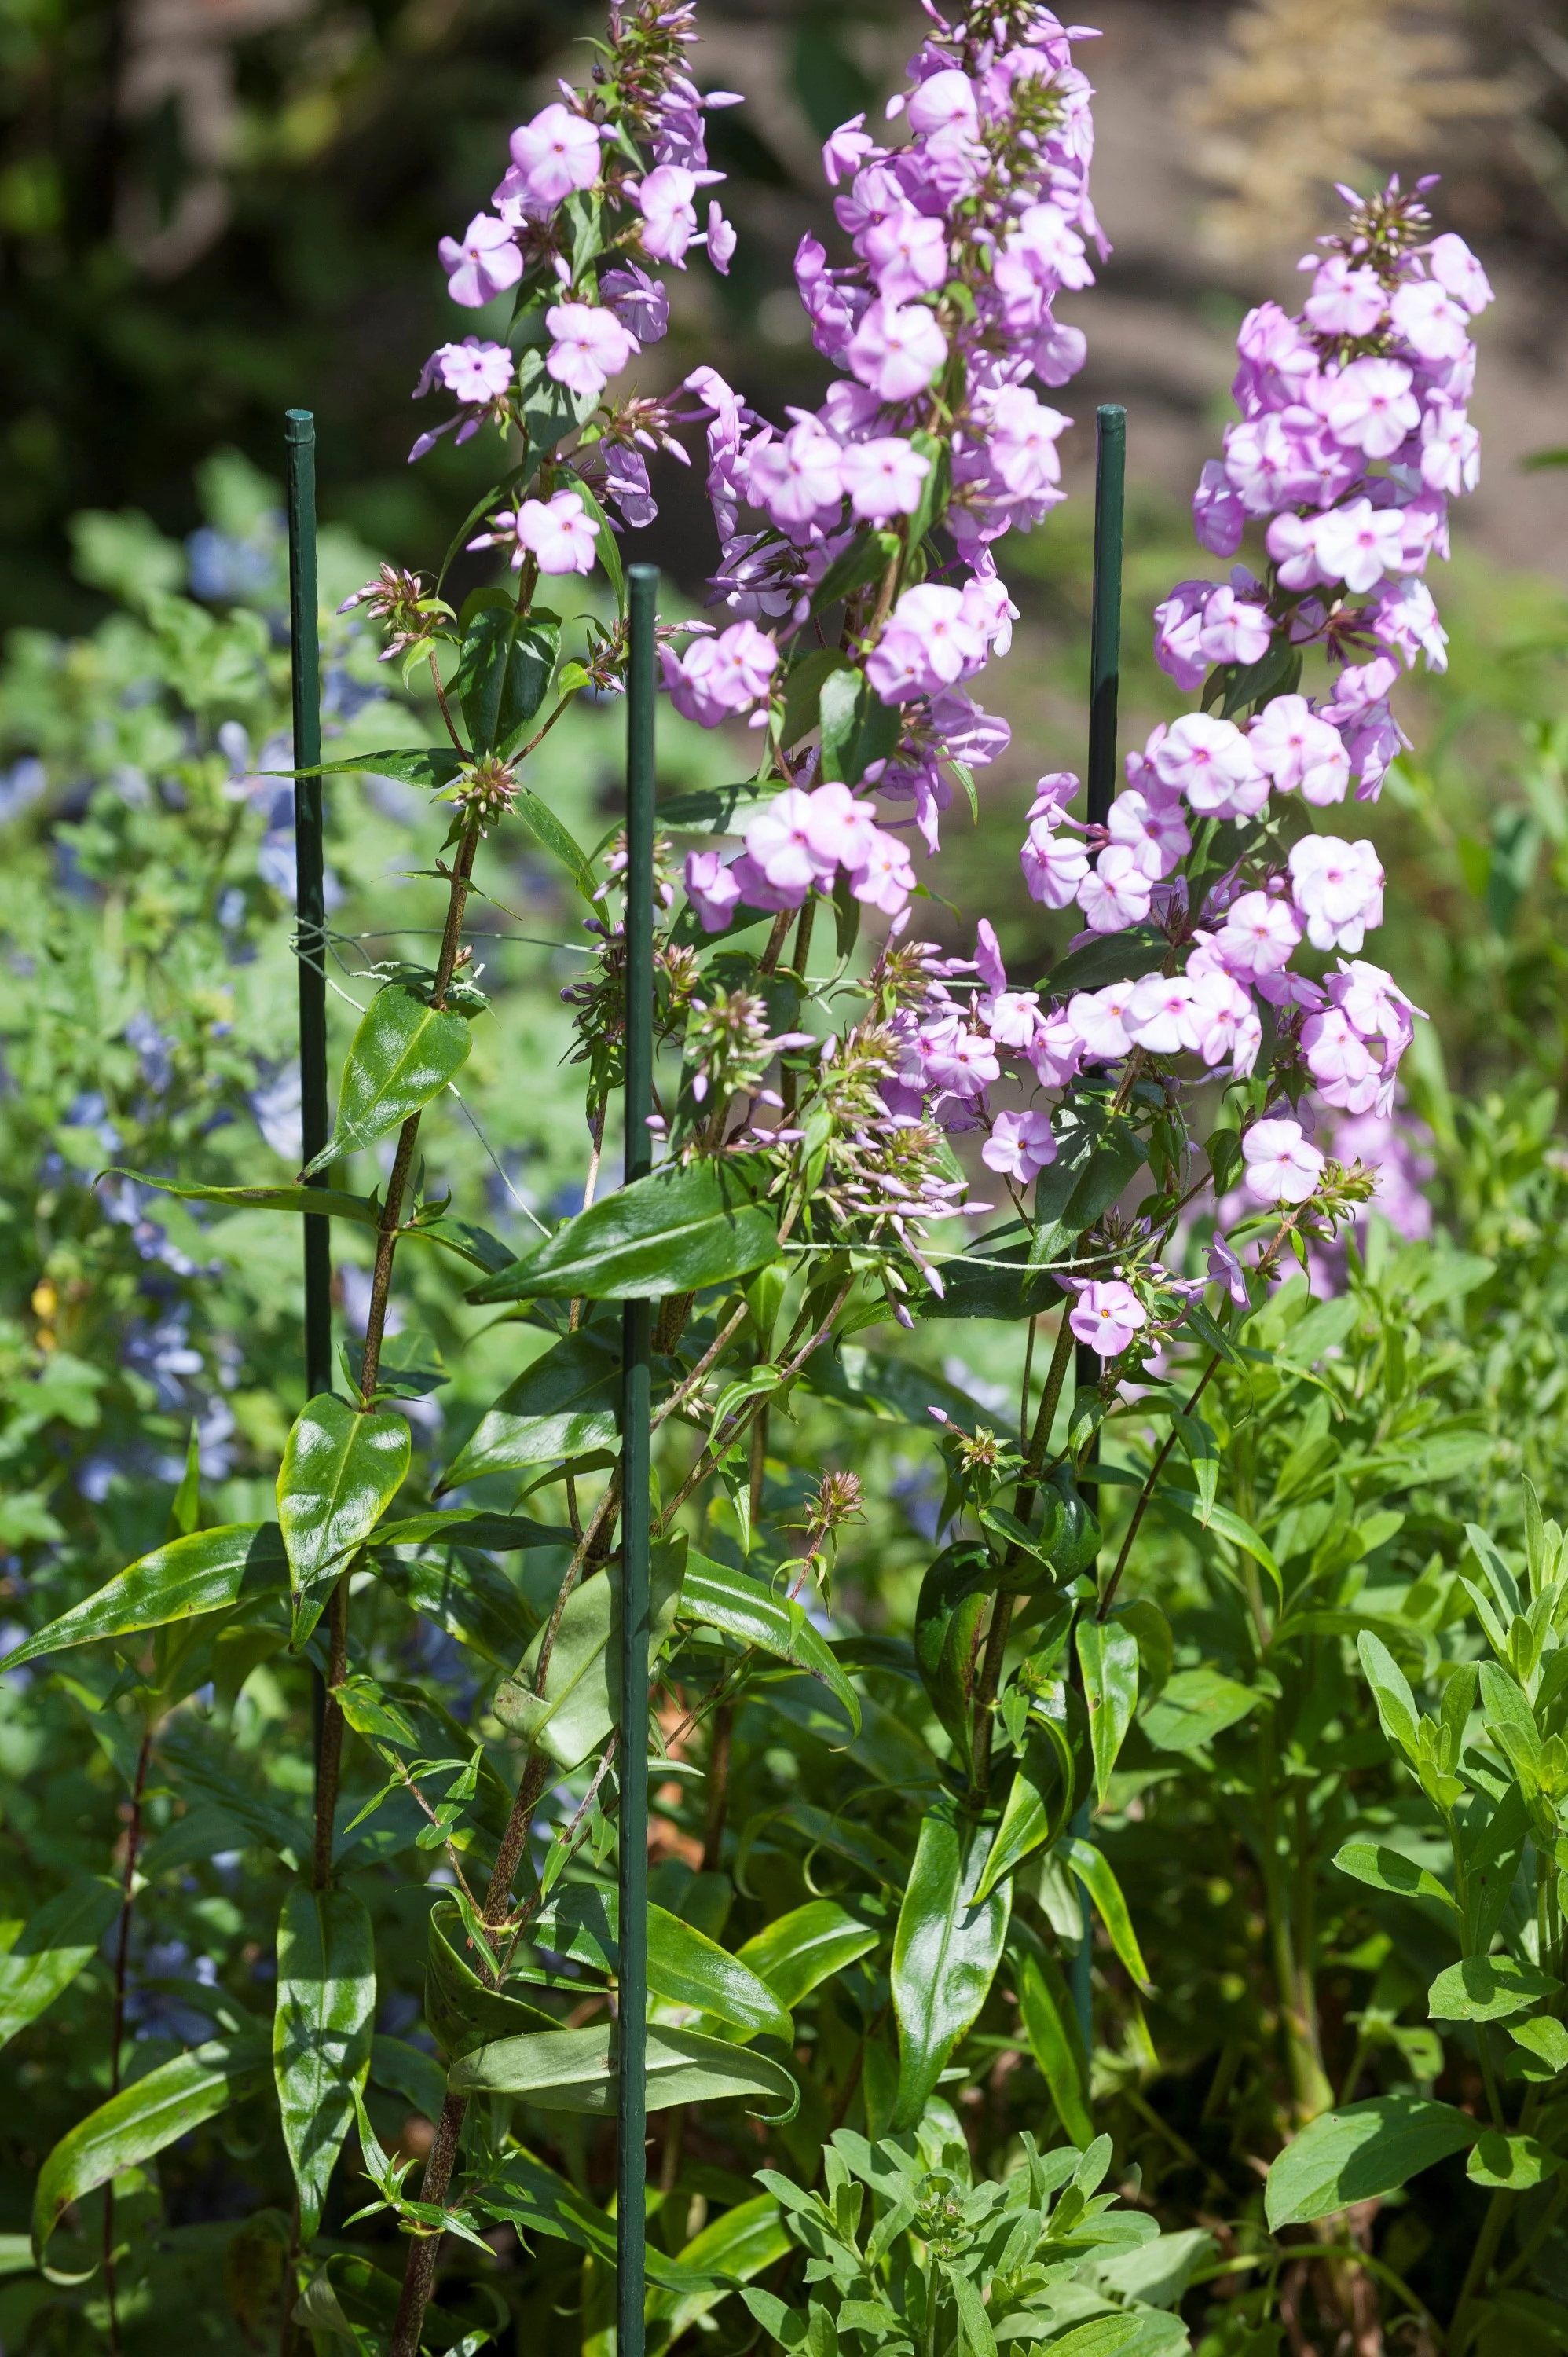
(310, 905)
(631, 2097)
(1104, 684)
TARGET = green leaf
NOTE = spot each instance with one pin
(139, 2121)
(720, 1599)
(685, 1967)
(948, 1613)
(734, 2247)
(1147, 2332)
(475, 1245)
(403, 1054)
(1387, 1870)
(1488, 1988)
(473, 1526)
(1195, 1706)
(504, 669)
(1093, 1868)
(1098, 1156)
(433, 766)
(462, 1592)
(407, 2070)
(1108, 1658)
(552, 836)
(1545, 2038)
(564, 1404)
(1114, 957)
(52, 1946)
(1039, 1803)
(581, 1699)
(1359, 2152)
(993, 1277)
(857, 728)
(803, 689)
(538, 2201)
(1391, 1692)
(946, 1948)
(866, 559)
(575, 2070)
(461, 2010)
(673, 1232)
(1050, 2025)
(797, 1952)
(604, 541)
(1510, 2163)
(713, 810)
(1225, 1524)
(549, 412)
(321, 2033)
(340, 1470)
(239, 1562)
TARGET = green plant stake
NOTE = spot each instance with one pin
(310, 941)
(1104, 685)
(631, 2154)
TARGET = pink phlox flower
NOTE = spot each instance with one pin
(1057, 353)
(1152, 829)
(626, 482)
(1224, 1020)
(1178, 629)
(1369, 406)
(897, 350)
(956, 1058)
(1159, 1017)
(1338, 888)
(873, 194)
(1218, 518)
(799, 479)
(1360, 686)
(1292, 541)
(1424, 530)
(1098, 1018)
(557, 152)
(907, 254)
(1372, 1001)
(1259, 935)
(1056, 1052)
(963, 732)
(1053, 792)
(1020, 1146)
(986, 606)
(884, 477)
(1116, 892)
(1054, 865)
(1012, 1017)
(928, 636)
(758, 893)
(988, 962)
(1428, 319)
(831, 308)
(944, 101)
(722, 676)
(589, 346)
(558, 535)
(1047, 236)
(1275, 359)
(475, 372)
(1300, 751)
(1107, 1315)
(1346, 298)
(669, 215)
(1450, 451)
(847, 150)
(1235, 628)
(1209, 762)
(711, 889)
(1021, 441)
(1357, 544)
(779, 841)
(1338, 1061)
(1224, 1266)
(840, 829)
(1455, 268)
(1276, 461)
(721, 240)
(1281, 1167)
(483, 265)
(1404, 618)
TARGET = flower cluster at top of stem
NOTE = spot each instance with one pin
(962, 234)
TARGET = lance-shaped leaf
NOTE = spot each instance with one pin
(321, 2033)
(1050, 2025)
(564, 1404)
(722, 1599)
(1098, 1158)
(47, 1951)
(1359, 2152)
(473, 1526)
(504, 669)
(410, 2072)
(350, 2298)
(1226, 1525)
(464, 1593)
(857, 728)
(432, 766)
(1390, 1870)
(948, 1613)
(946, 1948)
(1039, 1803)
(1195, 1706)
(340, 1471)
(465, 1241)
(140, 2121)
(575, 2070)
(548, 832)
(1093, 1868)
(796, 1953)
(207, 1572)
(1108, 1658)
(684, 1966)
(1488, 1988)
(462, 2010)
(673, 1232)
(580, 1700)
(403, 1054)
(537, 2200)
(734, 2247)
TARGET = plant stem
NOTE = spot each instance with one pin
(1148, 1491)
(329, 1758)
(426, 2249)
(117, 2025)
(719, 1785)
(1498, 2210)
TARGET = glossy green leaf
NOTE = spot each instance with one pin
(994, 1277)
(46, 1952)
(717, 1597)
(564, 1404)
(321, 2033)
(409, 2072)
(946, 1948)
(340, 1471)
(1545, 2038)
(350, 2298)
(949, 1610)
(462, 2011)
(552, 836)
(539, 2201)
(735, 2246)
(1099, 1155)
(573, 2070)
(403, 1054)
(797, 1952)
(685, 1967)
(460, 1237)
(1038, 1804)
(1148, 2332)
(239, 1562)
(141, 2120)
(581, 1700)
(673, 1232)
(1108, 1658)
(1510, 2163)
(504, 669)
(1488, 1988)
(473, 1526)
(803, 688)
(857, 728)
(1359, 2152)
(1387, 1870)
(432, 766)
(1093, 1868)
(1050, 2025)
(1194, 1707)
(463, 1592)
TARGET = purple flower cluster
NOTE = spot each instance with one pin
(961, 235)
